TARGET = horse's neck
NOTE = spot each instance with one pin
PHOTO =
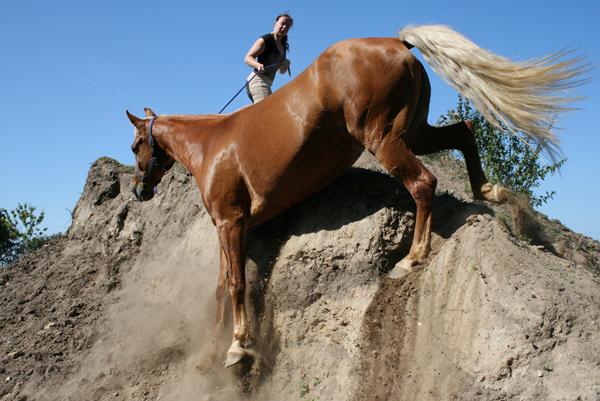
(185, 138)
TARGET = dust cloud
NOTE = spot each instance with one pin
(157, 341)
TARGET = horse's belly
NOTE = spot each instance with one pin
(316, 165)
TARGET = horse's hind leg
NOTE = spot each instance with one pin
(459, 137)
(401, 162)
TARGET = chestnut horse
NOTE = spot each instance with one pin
(359, 94)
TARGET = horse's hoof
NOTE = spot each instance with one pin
(494, 193)
(402, 268)
(233, 358)
(235, 354)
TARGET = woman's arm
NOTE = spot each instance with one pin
(257, 48)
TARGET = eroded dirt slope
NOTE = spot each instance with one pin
(121, 307)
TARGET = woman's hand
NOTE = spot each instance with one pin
(285, 66)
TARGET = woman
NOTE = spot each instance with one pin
(266, 56)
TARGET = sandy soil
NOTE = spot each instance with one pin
(122, 306)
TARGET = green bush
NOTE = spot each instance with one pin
(9, 237)
(20, 232)
(512, 161)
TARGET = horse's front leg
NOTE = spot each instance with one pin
(231, 236)
(220, 294)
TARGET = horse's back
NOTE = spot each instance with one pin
(308, 132)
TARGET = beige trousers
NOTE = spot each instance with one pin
(258, 87)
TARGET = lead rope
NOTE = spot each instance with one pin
(246, 84)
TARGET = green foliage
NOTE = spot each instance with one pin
(20, 232)
(506, 159)
(9, 237)
(304, 387)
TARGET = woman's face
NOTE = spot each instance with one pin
(283, 25)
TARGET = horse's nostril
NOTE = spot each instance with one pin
(142, 192)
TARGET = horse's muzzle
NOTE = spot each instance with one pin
(143, 192)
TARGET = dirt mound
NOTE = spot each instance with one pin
(121, 307)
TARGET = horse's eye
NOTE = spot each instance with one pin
(135, 146)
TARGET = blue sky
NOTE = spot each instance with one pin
(69, 69)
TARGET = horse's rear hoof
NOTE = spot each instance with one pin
(494, 193)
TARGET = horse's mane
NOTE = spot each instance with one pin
(193, 117)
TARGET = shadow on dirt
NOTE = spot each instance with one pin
(356, 195)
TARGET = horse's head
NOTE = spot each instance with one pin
(151, 161)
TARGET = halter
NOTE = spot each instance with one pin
(156, 150)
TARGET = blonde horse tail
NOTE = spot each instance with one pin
(524, 96)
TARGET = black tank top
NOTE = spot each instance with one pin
(271, 55)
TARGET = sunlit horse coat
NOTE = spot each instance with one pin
(359, 94)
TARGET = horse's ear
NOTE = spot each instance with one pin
(136, 121)
(149, 112)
